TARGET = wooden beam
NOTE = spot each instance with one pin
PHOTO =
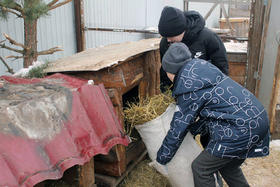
(211, 10)
(186, 5)
(79, 25)
(262, 48)
(151, 72)
(227, 17)
(275, 92)
(86, 174)
(254, 43)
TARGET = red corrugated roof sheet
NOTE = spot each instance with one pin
(48, 125)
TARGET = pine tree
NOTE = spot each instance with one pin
(30, 11)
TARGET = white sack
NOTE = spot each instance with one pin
(179, 168)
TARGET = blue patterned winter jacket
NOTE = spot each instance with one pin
(209, 100)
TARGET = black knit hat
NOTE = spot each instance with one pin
(172, 22)
(177, 55)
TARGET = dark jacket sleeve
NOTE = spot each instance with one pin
(185, 114)
(216, 52)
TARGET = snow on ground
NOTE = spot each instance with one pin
(236, 46)
(275, 144)
(24, 71)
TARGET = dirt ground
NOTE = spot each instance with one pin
(259, 172)
(264, 172)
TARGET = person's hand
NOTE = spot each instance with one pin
(162, 169)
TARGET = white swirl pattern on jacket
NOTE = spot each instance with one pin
(236, 120)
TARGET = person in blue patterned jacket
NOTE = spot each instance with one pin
(206, 98)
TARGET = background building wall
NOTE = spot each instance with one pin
(122, 14)
(58, 29)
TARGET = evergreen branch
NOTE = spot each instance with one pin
(49, 51)
(11, 11)
(14, 42)
(59, 4)
(16, 7)
(15, 57)
(11, 49)
(10, 70)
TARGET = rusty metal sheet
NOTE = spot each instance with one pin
(48, 125)
(102, 57)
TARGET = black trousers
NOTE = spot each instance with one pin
(205, 165)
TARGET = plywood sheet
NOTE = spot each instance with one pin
(102, 57)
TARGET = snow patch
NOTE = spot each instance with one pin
(236, 46)
(24, 71)
(275, 144)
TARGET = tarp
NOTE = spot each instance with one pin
(49, 125)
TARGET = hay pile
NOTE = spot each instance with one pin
(144, 176)
(146, 110)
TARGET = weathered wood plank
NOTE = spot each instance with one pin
(275, 94)
(86, 174)
(96, 59)
(79, 24)
(116, 168)
(262, 47)
(254, 43)
(122, 77)
(237, 66)
(237, 69)
(237, 57)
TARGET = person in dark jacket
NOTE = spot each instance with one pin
(205, 97)
(189, 27)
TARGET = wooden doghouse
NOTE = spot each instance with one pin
(121, 68)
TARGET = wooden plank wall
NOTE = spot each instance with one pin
(237, 66)
(259, 19)
(254, 43)
(140, 71)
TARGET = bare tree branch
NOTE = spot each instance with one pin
(11, 49)
(59, 4)
(10, 70)
(15, 57)
(14, 42)
(11, 11)
(50, 51)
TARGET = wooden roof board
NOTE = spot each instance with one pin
(98, 58)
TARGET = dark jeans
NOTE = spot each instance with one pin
(204, 140)
(205, 165)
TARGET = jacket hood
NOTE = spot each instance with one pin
(190, 79)
(194, 24)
